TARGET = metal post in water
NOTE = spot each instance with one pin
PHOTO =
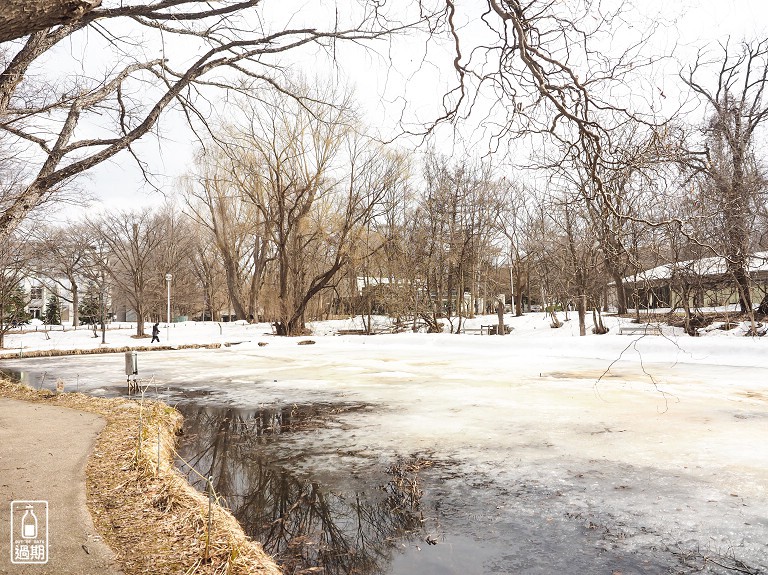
(210, 505)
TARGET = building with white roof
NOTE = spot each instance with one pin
(707, 280)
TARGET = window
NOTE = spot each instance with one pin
(34, 312)
(36, 292)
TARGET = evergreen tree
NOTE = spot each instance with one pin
(88, 310)
(13, 307)
(53, 311)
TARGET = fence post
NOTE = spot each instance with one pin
(210, 505)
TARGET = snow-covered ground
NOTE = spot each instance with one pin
(37, 336)
(640, 454)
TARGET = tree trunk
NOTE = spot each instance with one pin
(257, 279)
(582, 315)
(75, 305)
(621, 293)
(233, 288)
(140, 320)
(517, 296)
(500, 313)
(3, 325)
(282, 324)
(597, 319)
(20, 18)
(742, 283)
(763, 307)
(685, 301)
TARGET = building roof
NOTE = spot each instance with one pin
(366, 281)
(704, 267)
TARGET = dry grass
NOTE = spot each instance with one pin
(153, 520)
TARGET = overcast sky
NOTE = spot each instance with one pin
(382, 88)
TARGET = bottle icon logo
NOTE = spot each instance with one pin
(29, 532)
(29, 524)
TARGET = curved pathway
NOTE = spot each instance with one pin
(43, 455)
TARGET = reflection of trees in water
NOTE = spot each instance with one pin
(298, 521)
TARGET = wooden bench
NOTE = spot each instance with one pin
(350, 332)
(482, 330)
(643, 328)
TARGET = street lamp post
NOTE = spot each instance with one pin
(168, 278)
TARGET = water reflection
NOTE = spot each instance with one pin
(305, 525)
(21, 376)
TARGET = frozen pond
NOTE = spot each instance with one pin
(430, 455)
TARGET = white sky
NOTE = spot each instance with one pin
(382, 88)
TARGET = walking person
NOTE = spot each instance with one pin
(156, 333)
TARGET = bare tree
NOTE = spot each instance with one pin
(62, 254)
(311, 185)
(516, 222)
(379, 254)
(217, 199)
(132, 241)
(537, 68)
(392, 225)
(737, 110)
(175, 256)
(456, 225)
(210, 273)
(71, 124)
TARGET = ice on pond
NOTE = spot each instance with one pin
(548, 455)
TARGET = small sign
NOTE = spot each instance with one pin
(29, 532)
